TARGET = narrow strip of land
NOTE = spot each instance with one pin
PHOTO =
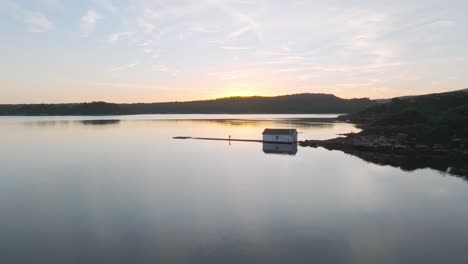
(234, 139)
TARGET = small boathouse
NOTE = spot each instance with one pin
(275, 135)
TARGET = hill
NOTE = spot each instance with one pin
(432, 119)
(294, 104)
(93, 108)
(430, 104)
(286, 104)
(410, 133)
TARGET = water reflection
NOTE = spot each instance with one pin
(99, 122)
(48, 123)
(53, 123)
(454, 164)
(250, 127)
(284, 149)
(75, 192)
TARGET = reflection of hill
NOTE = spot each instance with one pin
(456, 165)
(295, 122)
(99, 122)
(71, 122)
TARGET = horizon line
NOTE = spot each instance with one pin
(233, 96)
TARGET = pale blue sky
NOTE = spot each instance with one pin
(145, 51)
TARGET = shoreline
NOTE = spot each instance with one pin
(381, 143)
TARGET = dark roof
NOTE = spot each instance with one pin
(277, 131)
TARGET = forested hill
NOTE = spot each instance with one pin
(287, 104)
(431, 119)
(411, 109)
(94, 108)
(298, 103)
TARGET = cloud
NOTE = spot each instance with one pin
(224, 76)
(125, 85)
(239, 32)
(181, 36)
(204, 29)
(147, 20)
(108, 5)
(165, 69)
(246, 24)
(88, 22)
(444, 23)
(124, 67)
(37, 22)
(115, 37)
(51, 3)
(234, 48)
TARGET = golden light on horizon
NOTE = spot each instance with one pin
(242, 90)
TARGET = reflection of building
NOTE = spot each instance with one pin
(279, 135)
(280, 148)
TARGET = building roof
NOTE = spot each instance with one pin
(277, 131)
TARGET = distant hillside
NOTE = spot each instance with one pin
(298, 103)
(94, 108)
(287, 104)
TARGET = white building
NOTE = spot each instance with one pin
(280, 135)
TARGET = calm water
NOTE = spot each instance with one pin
(121, 190)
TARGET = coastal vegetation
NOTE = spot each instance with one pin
(428, 119)
(93, 108)
(286, 104)
(411, 132)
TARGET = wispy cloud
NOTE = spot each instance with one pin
(116, 37)
(124, 67)
(148, 50)
(165, 69)
(444, 23)
(108, 5)
(148, 19)
(88, 22)
(37, 22)
(224, 76)
(125, 85)
(246, 24)
(204, 29)
(51, 3)
(234, 48)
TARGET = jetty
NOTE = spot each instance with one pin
(234, 139)
(269, 135)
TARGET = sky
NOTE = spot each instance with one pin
(55, 51)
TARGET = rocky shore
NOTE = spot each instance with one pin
(426, 131)
(400, 143)
(400, 151)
